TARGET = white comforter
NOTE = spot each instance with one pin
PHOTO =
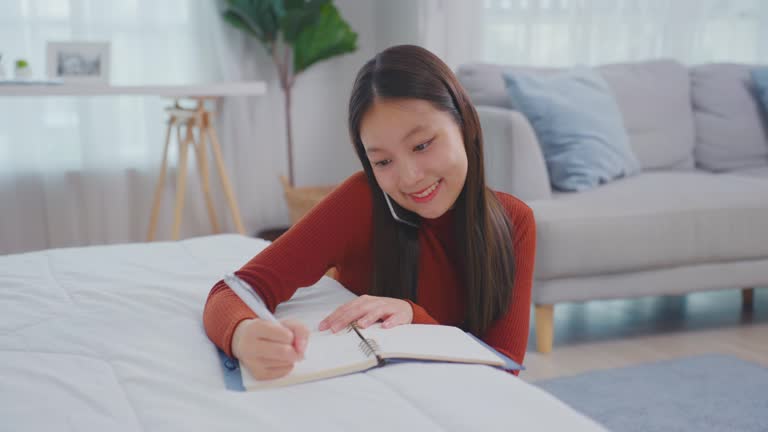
(110, 338)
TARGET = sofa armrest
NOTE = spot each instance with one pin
(513, 160)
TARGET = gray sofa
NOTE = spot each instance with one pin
(695, 219)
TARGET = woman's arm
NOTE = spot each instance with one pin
(509, 334)
(296, 259)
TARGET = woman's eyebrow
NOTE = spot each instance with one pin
(413, 131)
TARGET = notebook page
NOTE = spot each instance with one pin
(327, 354)
(430, 342)
(328, 350)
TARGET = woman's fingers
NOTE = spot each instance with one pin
(280, 370)
(270, 350)
(340, 311)
(276, 332)
(267, 373)
(395, 320)
(366, 310)
(344, 320)
(373, 316)
(272, 363)
(277, 351)
(354, 314)
(300, 335)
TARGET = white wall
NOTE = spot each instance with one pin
(323, 151)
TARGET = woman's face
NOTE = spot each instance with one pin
(417, 154)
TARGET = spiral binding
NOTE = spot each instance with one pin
(369, 347)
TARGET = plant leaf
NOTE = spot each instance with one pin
(260, 18)
(235, 21)
(294, 4)
(299, 15)
(327, 37)
(302, 4)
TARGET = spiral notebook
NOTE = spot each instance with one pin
(356, 349)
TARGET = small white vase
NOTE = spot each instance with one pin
(22, 73)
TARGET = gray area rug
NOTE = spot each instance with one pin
(702, 393)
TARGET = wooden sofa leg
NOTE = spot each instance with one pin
(747, 298)
(545, 329)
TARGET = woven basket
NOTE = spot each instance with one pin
(300, 200)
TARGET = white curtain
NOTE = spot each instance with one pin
(452, 29)
(78, 171)
(570, 32)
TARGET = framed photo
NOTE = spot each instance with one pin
(78, 62)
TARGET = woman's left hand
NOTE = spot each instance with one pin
(366, 310)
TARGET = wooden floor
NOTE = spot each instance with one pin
(614, 333)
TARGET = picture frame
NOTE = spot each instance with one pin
(78, 62)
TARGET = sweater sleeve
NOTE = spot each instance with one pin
(420, 315)
(298, 258)
(509, 334)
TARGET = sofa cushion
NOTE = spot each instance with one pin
(653, 97)
(759, 172)
(730, 130)
(760, 81)
(655, 100)
(583, 148)
(651, 221)
(485, 83)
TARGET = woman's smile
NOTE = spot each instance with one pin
(426, 195)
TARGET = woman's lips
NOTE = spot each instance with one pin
(427, 194)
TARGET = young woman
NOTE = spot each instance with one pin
(417, 235)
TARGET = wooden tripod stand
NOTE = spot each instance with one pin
(193, 120)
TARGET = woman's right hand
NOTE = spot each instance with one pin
(267, 349)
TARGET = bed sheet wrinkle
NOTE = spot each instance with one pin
(130, 402)
(347, 402)
(28, 292)
(16, 330)
(52, 375)
(410, 401)
(182, 245)
(232, 248)
(55, 280)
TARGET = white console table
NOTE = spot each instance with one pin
(191, 119)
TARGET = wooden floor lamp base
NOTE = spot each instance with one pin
(198, 133)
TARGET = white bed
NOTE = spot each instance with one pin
(110, 338)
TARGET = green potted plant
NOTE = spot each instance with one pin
(22, 70)
(296, 34)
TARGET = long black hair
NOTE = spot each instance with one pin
(482, 227)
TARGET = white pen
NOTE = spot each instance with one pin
(249, 296)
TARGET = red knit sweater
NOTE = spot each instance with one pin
(338, 232)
